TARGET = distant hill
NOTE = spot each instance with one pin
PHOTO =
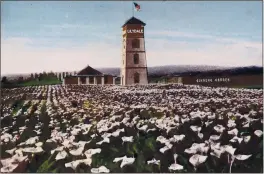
(251, 70)
(182, 70)
(166, 70)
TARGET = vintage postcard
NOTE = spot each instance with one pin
(131, 87)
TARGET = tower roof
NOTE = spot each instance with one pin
(89, 71)
(134, 20)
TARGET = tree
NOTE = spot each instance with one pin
(20, 79)
(60, 76)
(40, 76)
(36, 76)
(44, 74)
(4, 79)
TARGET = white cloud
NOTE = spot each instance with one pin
(19, 56)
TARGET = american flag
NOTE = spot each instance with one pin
(137, 7)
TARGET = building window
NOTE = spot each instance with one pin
(91, 80)
(136, 78)
(136, 58)
(135, 43)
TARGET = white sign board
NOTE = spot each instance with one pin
(135, 31)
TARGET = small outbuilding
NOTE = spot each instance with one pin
(89, 76)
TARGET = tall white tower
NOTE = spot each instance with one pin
(134, 63)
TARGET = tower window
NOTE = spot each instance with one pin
(136, 78)
(135, 43)
(136, 58)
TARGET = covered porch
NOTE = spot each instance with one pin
(90, 80)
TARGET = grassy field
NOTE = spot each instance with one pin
(48, 81)
(34, 82)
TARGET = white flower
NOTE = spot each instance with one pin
(19, 152)
(196, 160)
(90, 152)
(33, 150)
(81, 143)
(151, 130)
(215, 145)
(233, 132)
(58, 149)
(143, 128)
(177, 138)
(11, 151)
(217, 152)
(161, 139)
(164, 149)
(242, 157)
(116, 133)
(153, 161)
(9, 168)
(231, 124)
(39, 144)
(118, 159)
(73, 164)
(236, 139)
(200, 135)
(258, 133)
(229, 149)
(219, 128)
(214, 137)
(246, 139)
(127, 161)
(196, 128)
(32, 140)
(127, 139)
(176, 167)
(208, 123)
(101, 169)
(246, 125)
(105, 140)
(211, 117)
(87, 161)
(61, 155)
(190, 151)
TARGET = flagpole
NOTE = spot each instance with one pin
(133, 8)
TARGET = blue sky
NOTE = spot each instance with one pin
(69, 35)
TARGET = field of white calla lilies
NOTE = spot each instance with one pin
(152, 128)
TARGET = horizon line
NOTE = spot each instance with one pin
(119, 68)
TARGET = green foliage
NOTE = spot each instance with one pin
(17, 105)
(46, 80)
(46, 166)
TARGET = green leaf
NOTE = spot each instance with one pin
(149, 143)
(46, 165)
(135, 149)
